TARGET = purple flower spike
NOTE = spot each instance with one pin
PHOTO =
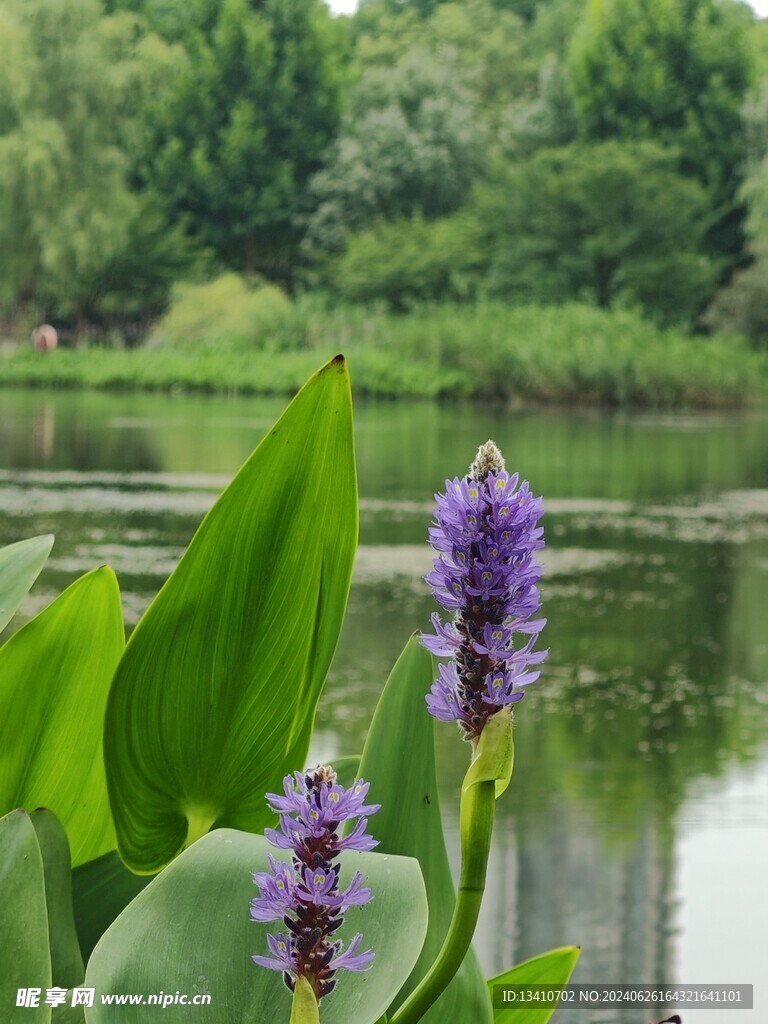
(305, 894)
(485, 534)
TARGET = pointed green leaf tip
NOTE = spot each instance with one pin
(494, 754)
(305, 1009)
(20, 565)
(214, 700)
(552, 968)
(54, 679)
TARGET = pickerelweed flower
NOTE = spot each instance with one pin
(305, 894)
(485, 534)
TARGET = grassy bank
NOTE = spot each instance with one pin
(568, 354)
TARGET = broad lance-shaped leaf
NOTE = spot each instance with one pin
(24, 958)
(67, 968)
(554, 968)
(54, 679)
(399, 761)
(190, 932)
(20, 565)
(214, 700)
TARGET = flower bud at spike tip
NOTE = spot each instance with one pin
(485, 534)
(305, 895)
(488, 460)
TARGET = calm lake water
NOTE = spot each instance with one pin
(637, 821)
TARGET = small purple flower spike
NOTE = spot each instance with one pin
(485, 534)
(305, 894)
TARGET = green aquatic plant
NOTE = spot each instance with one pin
(153, 760)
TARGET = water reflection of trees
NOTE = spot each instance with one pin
(69, 431)
(408, 449)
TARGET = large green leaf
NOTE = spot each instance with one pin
(20, 565)
(190, 931)
(101, 889)
(67, 968)
(215, 697)
(553, 968)
(399, 762)
(54, 678)
(25, 960)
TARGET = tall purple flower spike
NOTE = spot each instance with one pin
(485, 534)
(305, 894)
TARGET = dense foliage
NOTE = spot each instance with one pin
(70, 83)
(572, 353)
(611, 152)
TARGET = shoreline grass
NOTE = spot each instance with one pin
(572, 354)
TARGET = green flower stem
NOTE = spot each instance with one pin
(478, 802)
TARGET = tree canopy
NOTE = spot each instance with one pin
(675, 72)
(417, 151)
(234, 145)
(609, 222)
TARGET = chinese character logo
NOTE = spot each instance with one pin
(55, 996)
(82, 996)
(28, 997)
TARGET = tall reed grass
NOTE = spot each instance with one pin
(569, 354)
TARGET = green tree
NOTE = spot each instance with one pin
(544, 117)
(611, 222)
(675, 72)
(67, 212)
(173, 20)
(742, 305)
(407, 262)
(256, 105)
(411, 142)
(429, 102)
(485, 46)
